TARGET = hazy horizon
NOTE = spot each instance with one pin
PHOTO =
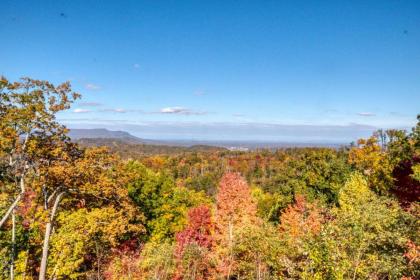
(346, 135)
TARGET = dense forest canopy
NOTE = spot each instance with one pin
(71, 211)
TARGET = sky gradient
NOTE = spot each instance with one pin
(223, 70)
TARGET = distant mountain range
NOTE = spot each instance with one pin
(104, 135)
(99, 133)
(129, 146)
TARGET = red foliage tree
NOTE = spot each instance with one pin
(27, 208)
(198, 231)
(406, 188)
(124, 261)
(193, 245)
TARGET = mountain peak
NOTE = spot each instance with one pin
(77, 134)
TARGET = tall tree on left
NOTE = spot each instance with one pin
(27, 118)
(27, 122)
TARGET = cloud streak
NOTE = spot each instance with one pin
(180, 111)
(164, 111)
(81, 111)
(115, 110)
(89, 104)
(366, 114)
(91, 86)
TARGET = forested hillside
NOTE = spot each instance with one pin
(71, 211)
(135, 150)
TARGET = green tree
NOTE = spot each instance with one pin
(366, 239)
(164, 204)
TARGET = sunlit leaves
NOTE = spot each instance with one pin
(373, 162)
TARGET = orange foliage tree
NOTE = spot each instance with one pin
(300, 223)
(234, 208)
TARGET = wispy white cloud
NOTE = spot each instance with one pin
(89, 104)
(116, 110)
(180, 111)
(120, 110)
(81, 111)
(103, 121)
(366, 114)
(92, 87)
(173, 110)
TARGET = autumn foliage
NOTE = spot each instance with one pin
(199, 230)
(77, 211)
(301, 219)
(234, 204)
(194, 244)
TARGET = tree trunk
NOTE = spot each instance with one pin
(10, 210)
(12, 258)
(14, 204)
(48, 228)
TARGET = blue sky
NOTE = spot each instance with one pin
(255, 70)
